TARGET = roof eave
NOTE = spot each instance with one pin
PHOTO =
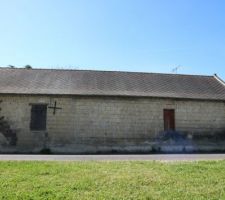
(104, 95)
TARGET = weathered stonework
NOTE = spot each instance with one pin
(111, 124)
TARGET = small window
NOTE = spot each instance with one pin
(38, 117)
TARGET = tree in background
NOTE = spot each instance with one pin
(28, 67)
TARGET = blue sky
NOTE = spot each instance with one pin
(125, 35)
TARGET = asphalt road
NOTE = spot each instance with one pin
(155, 157)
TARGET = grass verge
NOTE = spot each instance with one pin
(112, 180)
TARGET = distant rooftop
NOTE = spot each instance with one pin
(110, 83)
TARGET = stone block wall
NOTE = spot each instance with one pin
(105, 124)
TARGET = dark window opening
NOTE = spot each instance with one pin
(169, 119)
(38, 117)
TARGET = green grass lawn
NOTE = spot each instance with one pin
(112, 180)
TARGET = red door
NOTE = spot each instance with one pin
(169, 120)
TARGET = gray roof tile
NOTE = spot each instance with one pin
(110, 83)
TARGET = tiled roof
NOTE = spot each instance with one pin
(109, 83)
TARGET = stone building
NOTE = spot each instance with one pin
(84, 111)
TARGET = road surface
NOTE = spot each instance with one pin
(155, 157)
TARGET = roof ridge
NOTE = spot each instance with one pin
(106, 71)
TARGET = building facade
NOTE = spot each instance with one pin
(127, 121)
